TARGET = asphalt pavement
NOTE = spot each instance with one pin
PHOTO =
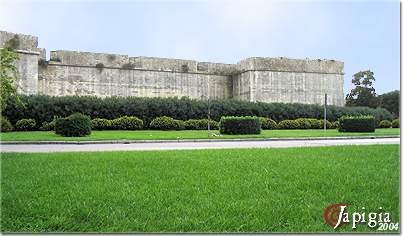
(190, 145)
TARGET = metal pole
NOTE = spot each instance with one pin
(325, 112)
(208, 124)
(208, 104)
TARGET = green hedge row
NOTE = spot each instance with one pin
(168, 123)
(357, 124)
(121, 123)
(300, 123)
(240, 125)
(44, 108)
(202, 124)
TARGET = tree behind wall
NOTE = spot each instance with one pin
(364, 93)
(390, 101)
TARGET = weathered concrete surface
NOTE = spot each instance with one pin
(189, 145)
(99, 74)
(27, 66)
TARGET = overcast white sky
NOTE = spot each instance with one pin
(363, 34)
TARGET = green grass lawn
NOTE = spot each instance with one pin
(186, 134)
(231, 190)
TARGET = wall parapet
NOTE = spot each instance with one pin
(29, 43)
(22, 41)
(116, 61)
(291, 65)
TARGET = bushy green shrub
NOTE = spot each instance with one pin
(316, 124)
(6, 125)
(308, 123)
(268, 123)
(335, 125)
(200, 124)
(128, 123)
(101, 124)
(167, 123)
(322, 124)
(181, 124)
(396, 123)
(48, 126)
(385, 124)
(25, 125)
(44, 108)
(303, 123)
(75, 125)
(288, 124)
(240, 125)
(357, 124)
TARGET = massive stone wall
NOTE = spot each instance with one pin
(83, 73)
(289, 81)
(100, 74)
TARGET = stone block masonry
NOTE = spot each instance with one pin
(103, 75)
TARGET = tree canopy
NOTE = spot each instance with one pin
(364, 93)
(8, 75)
(390, 101)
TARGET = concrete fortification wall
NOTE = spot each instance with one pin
(99, 74)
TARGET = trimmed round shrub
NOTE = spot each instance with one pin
(303, 123)
(201, 124)
(101, 124)
(127, 123)
(268, 123)
(240, 125)
(6, 125)
(166, 123)
(385, 124)
(357, 124)
(25, 125)
(396, 123)
(288, 124)
(308, 123)
(75, 125)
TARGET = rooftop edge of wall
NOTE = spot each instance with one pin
(92, 59)
(291, 65)
(21, 41)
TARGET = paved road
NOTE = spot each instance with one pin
(189, 145)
